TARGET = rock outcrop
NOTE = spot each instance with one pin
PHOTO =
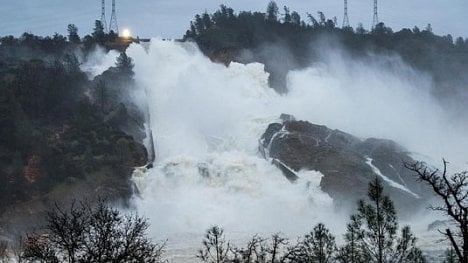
(347, 162)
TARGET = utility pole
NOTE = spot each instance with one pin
(345, 17)
(113, 22)
(376, 15)
(103, 15)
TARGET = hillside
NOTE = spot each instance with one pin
(284, 41)
(63, 136)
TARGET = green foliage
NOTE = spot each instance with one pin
(228, 32)
(317, 246)
(99, 35)
(287, 15)
(372, 233)
(354, 250)
(406, 250)
(371, 237)
(380, 222)
(73, 34)
(295, 18)
(272, 12)
(55, 127)
(125, 65)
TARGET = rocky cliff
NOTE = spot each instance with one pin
(348, 163)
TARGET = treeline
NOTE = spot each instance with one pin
(227, 33)
(372, 233)
(100, 233)
(60, 129)
(371, 236)
(29, 45)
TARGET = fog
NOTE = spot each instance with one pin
(97, 61)
(377, 96)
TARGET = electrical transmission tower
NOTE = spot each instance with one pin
(113, 22)
(376, 15)
(103, 15)
(345, 17)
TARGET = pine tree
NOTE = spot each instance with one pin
(287, 15)
(406, 250)
(375, 229)
(295, 18)
(272, 12)
(317, 246)
(73, 34)
(125, 64)
(353, 251)
(380, 221)
(99, 35)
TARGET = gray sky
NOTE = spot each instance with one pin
(170, 18)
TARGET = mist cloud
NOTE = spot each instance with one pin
(378, 96)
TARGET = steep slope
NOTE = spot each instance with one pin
(347, 162)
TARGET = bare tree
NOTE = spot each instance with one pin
(215, 249)
(92, 234)
(258, 250)
(278, 242)
(254, 252)
(453, 190)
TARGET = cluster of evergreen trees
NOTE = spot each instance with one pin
(372, 236)
(57, 125)
(57, 44)
(442, 57)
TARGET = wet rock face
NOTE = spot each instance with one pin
(347, 162)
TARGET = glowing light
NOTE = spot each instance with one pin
(126, 33)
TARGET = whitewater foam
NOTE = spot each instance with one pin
(97, 61)
(206, 120)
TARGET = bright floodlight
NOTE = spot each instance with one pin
(126, 33)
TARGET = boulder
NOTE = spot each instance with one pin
(347, 162)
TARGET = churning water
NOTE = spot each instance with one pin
(206, 120)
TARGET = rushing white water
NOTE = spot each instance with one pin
(388, 180)
(206, 120)
(97, 61)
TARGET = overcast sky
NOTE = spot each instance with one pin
(170, 18)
